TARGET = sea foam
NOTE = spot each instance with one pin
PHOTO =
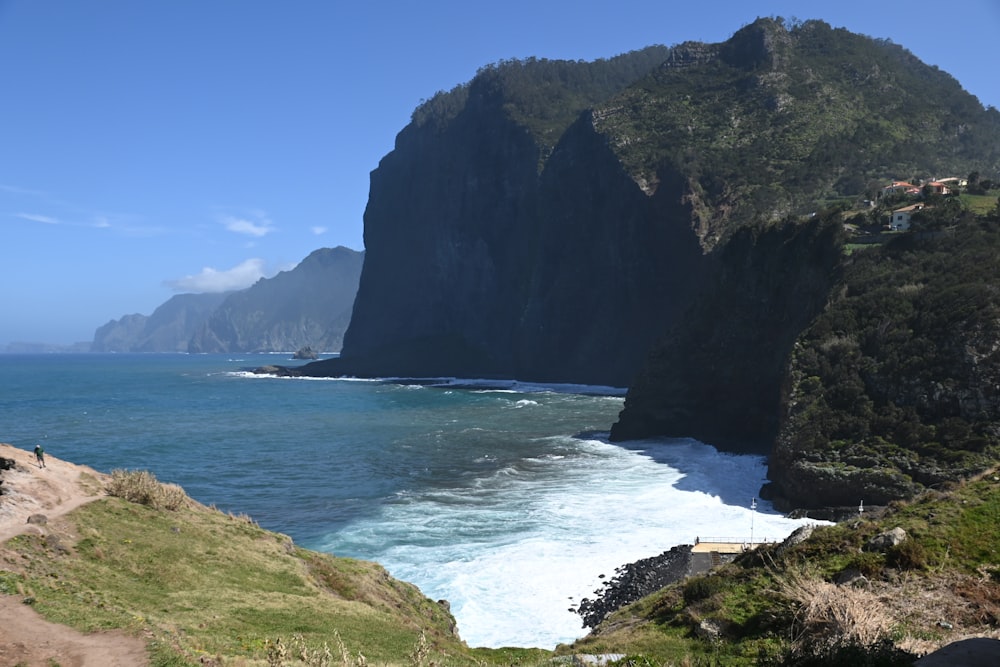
(514, 553)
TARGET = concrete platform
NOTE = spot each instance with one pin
(722, 547)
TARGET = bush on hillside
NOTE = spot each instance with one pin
(142, 487)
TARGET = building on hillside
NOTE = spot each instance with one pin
(937, 188)
(953, 182)
(900, 219)
(899, 188)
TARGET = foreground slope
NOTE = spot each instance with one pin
(873, 590)
(168, 582)
(194, 584)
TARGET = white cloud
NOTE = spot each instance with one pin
(239, 277)
(17, 190)
(259, 227)
(318, 231)
(48, 220)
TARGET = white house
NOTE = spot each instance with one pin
(900, 220)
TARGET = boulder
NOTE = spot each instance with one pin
(975, 652)
(886, 540)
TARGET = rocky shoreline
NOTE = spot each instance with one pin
(635, 581)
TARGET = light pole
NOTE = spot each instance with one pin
(753, 508)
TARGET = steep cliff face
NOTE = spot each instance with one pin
(307, 306)
(717, 377)
(168, 329)
(479, 264)
(537, 225)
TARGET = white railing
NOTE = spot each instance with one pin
(732, 540)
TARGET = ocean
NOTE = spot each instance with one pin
(506, 500)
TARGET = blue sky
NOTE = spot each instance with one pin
(153, 147)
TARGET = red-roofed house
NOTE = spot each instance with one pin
(900, 188)
(938, 188)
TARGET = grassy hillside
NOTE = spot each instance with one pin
(785, 115)
(203, 586)
(783, 605)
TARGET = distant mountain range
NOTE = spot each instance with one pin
(308, 306)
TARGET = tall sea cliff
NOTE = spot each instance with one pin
(668, 220)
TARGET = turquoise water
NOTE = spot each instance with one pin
(508, 502)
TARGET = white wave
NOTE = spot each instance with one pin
(512, 552)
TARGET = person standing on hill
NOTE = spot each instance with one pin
(40, 456)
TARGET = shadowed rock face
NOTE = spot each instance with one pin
(718, 376)
(562, 275)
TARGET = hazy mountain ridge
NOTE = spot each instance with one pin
(309, 305)
(168, 329)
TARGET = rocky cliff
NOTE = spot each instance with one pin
(895, 386)
(718, 375)
(537, 225)
(493, 253)
(309, 305)
(168, 329)
(532, 224)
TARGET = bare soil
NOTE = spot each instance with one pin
(26, 639)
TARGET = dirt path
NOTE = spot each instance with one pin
(25, 637)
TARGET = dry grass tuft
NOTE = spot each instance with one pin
(142, 487)
(835, 615)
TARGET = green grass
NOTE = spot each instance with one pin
(201, 585)
(980, 204)
(953, 544)
(204, 584)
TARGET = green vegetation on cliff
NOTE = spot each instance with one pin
(783, 116)
(895, 385)
(544, 95)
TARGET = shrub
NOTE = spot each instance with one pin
(879, 654)
(702, 588)
(141, 486)
(868, 563)
(907, 555)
